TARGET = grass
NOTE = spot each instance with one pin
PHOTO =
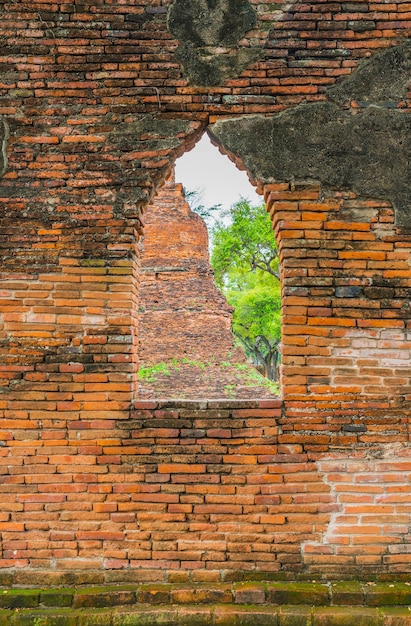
(255, 378)
(245, 373)
(149, 374)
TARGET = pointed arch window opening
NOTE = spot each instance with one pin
(208, 178)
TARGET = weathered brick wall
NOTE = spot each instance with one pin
(346, 286)
(206, 491)
(97, 100)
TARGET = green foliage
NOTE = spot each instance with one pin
(246, 267)
(243, 240)
(257, 305)
(192, 362)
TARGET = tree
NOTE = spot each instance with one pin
(246, 266)
(195, 200)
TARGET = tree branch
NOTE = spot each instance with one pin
(265, 264)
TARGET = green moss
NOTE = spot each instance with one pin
(346, 616)
(195, 616)
(19, 598)
(94, 617)
(104, 597)
(64, 617)
(145, 617)
(57, 597)
(150, 373)
(396, 616)
(246, 615)
(313, 594)
(5, 616)
(388, 594)
(347, 593)
(295, 616)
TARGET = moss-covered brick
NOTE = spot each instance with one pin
(262, 576)
(347, 592)
(346, 616)
(100, 598)
(57, 597)
(244, 616)
(315, 594)
(203, 594)
(154, 594)
(145, 617)
(94, 617)
(295, 615)
(5, 616)
(395, 616)
(249, 593)
(19, 598)
(42, 618)
(387, 594)
(195, 616)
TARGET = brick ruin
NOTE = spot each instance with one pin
(97, 100)
(179, 302)
(184, 320)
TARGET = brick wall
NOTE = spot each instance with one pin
(346, 276)
(206, 491)
(95, 108)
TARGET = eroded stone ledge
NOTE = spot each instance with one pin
(246, 593)
(265, 603)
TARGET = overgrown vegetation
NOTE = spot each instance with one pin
(242, 374)
(246, 267)
(151, 373)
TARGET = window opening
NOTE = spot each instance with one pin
(187, 348)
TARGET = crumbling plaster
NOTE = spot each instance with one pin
(366, 150)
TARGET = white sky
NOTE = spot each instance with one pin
(219, 180)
